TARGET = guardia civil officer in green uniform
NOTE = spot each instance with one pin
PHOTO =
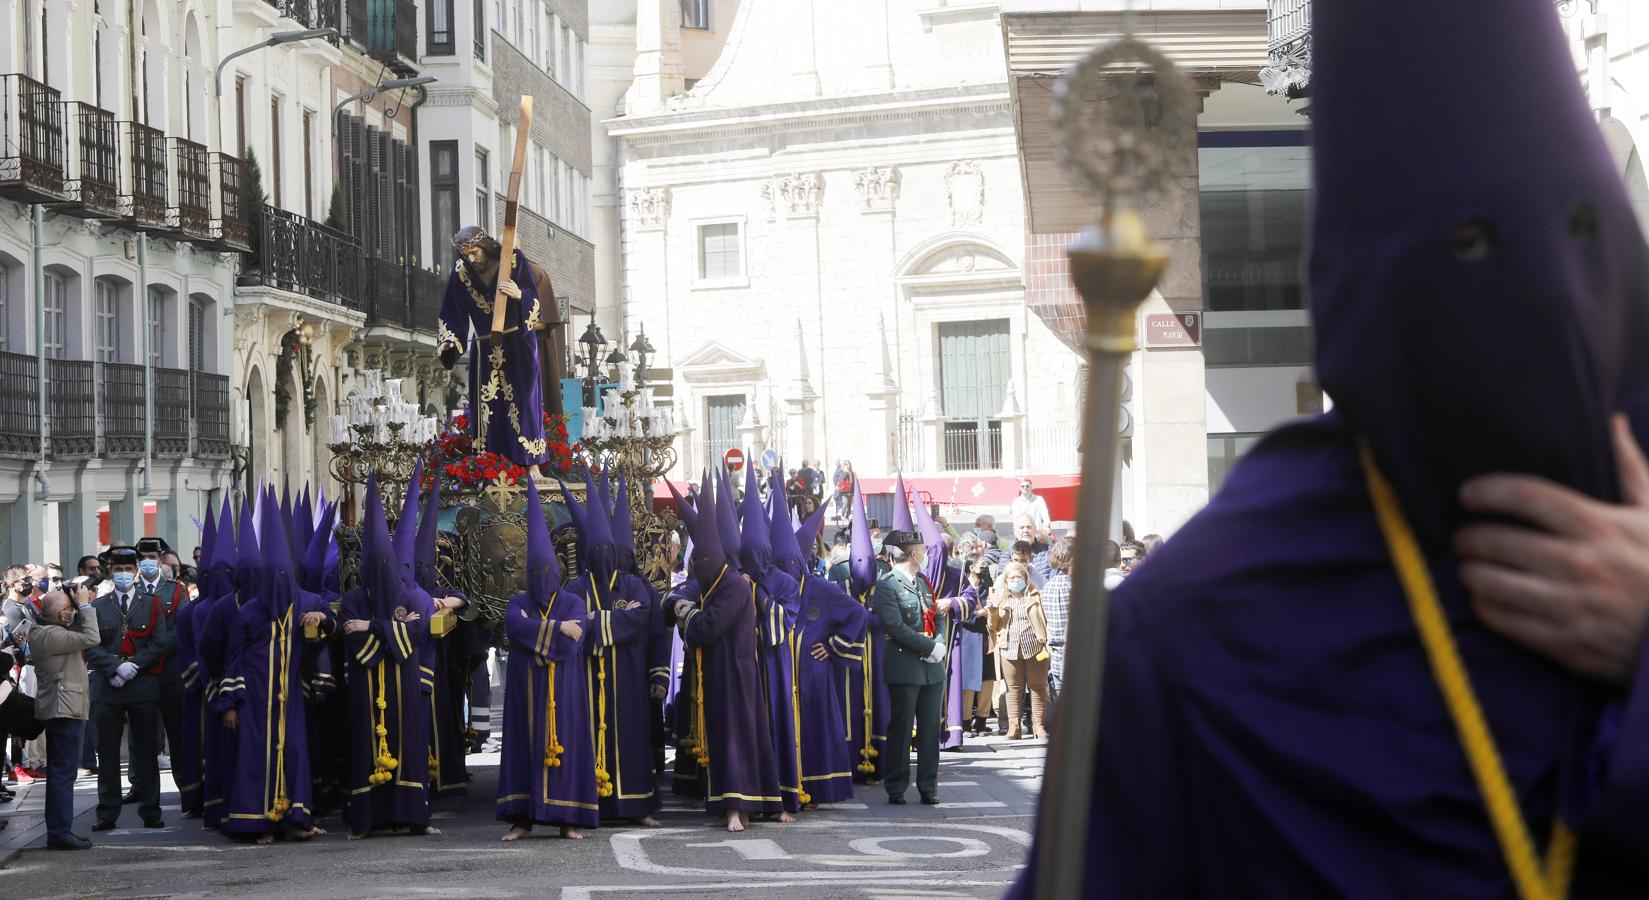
(914, 667)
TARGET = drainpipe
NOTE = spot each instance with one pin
(148, 363)
(37, 221)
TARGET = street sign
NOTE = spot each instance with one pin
(770, 459)
(733, 459)
(1173, 329)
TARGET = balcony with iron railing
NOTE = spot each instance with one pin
(191, 216)
(387, 30)
(71, 405)
(210, 403)
(19, 406)
(172, 411)
(120, 402)
(301, 255)
(93, 162)
(308, 13)
(231, 230)
(142, 190)
(31, 140)
(1288, 33)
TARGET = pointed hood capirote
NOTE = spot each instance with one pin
(380, 570)
(322, 544)
(543, 571)
(755, 541)
(900, 520)
(787, 553)
(248, 565)
(303, 522)
(279, 585)
(212, 546)
(706, 557)
(624, 536)
(406, 526)
(933, 543)
(595, 532)
(208, 539)
(861, 565)
(423, 555)
(727, 519)
(807, 532)
(1478, 278)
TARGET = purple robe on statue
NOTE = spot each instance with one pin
(530, 792)
(504, 387)
(721, 630)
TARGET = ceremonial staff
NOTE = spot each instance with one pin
(506, 258)
(1124, 116)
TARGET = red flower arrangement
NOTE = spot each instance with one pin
(452, 455)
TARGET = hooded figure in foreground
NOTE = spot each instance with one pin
(546, 773)
(1272, 724)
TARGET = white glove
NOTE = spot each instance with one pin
(117, 680)
(938, 654)
(127, 671)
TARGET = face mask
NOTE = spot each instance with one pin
(150, 568)
(1016, 585)
(123, 580)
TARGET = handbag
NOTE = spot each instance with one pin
(17, 713)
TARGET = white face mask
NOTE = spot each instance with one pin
(1017, 586)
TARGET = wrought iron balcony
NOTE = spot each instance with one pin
(93, 163)
(308, 13)
(427, 289)
(301, 255)
(19, 406)
(387, 30)
(142, 192)
(71, 403)
(191, 218)
(120, 402)
(171, 413)
(230, 230)
(211, 410)
(1288, 31)
(31, 140)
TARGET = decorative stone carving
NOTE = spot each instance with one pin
(792, 196)
(965, 185)
(248, 324)
(877, 186)
(649, 207)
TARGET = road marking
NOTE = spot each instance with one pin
(976, 804)
(898, 880)
(826, 859)
(873, 846)
(751, 848)
(844, 806)
(629, 852)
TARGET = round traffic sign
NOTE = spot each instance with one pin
(733, 459)
(770, 459)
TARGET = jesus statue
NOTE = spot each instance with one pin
(516, 379)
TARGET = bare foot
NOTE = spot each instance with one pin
(571, 834)
(265, 839)
(786, 819)
(721, 820)
(810, 807)
(648, 822)
(358, 835)
(300, 834)
(428, 829)
(735, 822)
(317, 830)
(515, 834)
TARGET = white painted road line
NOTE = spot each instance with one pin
(977, 804)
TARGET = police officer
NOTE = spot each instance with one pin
(173, 594)
(134, 637)
(918, 631)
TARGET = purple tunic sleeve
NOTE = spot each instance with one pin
(231, 690)
(1615, 817)
(706, 625)
(365, 647)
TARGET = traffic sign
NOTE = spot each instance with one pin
(770, 459)
(733, 459)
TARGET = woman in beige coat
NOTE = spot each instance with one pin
(1022, 644)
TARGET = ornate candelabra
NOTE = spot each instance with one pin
(635, 437)
(382, 434)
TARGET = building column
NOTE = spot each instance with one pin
(172, 513)
(77, 516)
(933, 435)
(883, 406)
(658, 67)
(25, 537)
(1013, 426)
(126, 514)
(1171, 424)
(752, 433)
(800, 403)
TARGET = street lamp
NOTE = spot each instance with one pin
(643, 349)
(279, 37)
(375, 90)
(593, 340)
(614, 360)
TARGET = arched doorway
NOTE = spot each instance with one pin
(323, 455)
(257, 428)
(292, 433)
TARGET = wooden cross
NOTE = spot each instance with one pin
(506, 259)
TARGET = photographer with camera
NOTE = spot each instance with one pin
(67, 627)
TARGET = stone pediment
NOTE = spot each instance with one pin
(957, 258)
(715, 361)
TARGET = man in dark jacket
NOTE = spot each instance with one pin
(135, 636)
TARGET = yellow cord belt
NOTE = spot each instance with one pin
(552, 744)
(701, 746)
(1533, 881)
(802, 796)
(603, 780)
(868, 752)
(282, 803)
(384, 765)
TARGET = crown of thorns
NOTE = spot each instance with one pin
(474, 236)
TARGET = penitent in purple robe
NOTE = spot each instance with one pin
(867, 696)
(778, 605)
(721, 631)
(504, 387)
(616, 642)
(384, 664)
(529, 791)
(829, 617)
(951, 585)
(189, 762)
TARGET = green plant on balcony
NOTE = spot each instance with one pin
(336, 216)
(255, 200)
